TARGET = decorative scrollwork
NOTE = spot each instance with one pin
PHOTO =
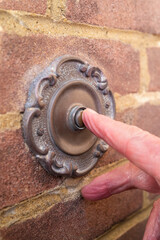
(27, 120)
(36, 133)
(87, 69)
(64, 168)
(96, 73)
(50, 163)
(46, 158)
(102, 147)
(49, 81)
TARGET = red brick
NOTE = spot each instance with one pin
(24, 57)
(135, 233)
(109, 157)
(77, 219)
(148, 118)
(154, 69)
(153, 196)
(36, 6)
(125, 14)
(145, 117)
(20, 176)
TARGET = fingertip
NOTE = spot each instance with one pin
(87, 113)
(84, 191)
(88, 117)
(88, 194)
(88, 191)
(90, 111)
(95, 190)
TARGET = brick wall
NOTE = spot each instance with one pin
(122, 38)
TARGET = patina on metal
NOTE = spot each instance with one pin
(52, 122)
(75, 118)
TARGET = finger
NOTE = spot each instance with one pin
(139, 146)
(152, 231)
(118, 180)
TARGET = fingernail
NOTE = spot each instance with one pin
(91, 111)
(88, 118)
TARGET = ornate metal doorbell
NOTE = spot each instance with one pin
(52, 123)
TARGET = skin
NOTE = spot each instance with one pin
(142, 149)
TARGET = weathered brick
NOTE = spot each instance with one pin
(36, 6)
(20, 176)
(125, 14)
(77, 219)
(153, 196)
(148, 118)
(145, 117)
(109, 157)
(154, 69)
(135, 232)
(24, 57)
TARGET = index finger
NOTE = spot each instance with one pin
(140, 147)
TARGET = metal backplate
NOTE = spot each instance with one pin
(52, 123)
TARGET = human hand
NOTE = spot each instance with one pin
(142, 149)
